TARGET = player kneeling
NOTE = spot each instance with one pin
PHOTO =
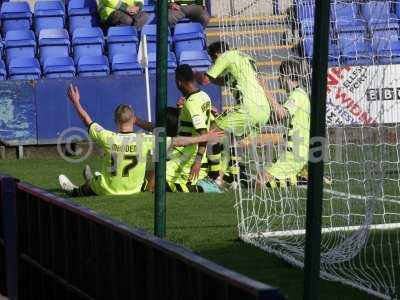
(295, 112)
(125, 153)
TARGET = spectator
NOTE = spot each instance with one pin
(122, 12)
(191, 9)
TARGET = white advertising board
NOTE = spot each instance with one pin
(363, 95)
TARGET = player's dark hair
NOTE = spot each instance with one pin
(123, 113)
(184, 73)
(217, 48)
(291, 68)
(172, 121)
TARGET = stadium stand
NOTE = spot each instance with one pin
(20, 44)
(24, 68)
(3, 72)
(55, 36)
(15, 16)
(53, 43)
(150, 31)
(91, 66)
(125, 64)
(122, 40)
(82, 13)
(362, 33)
(199, 60)
(171, 62)
(149, 6)
(87, 42)
(59, 67)
(49, 15)
(188, 36)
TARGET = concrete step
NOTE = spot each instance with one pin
(248, 20)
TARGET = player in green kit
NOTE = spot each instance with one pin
(237, 71)
(295, 114)
(187, 165)
(125, 153)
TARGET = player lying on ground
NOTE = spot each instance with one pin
(125, 153)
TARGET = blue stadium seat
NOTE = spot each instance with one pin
(3, 72)
(171, 62)
(87, 42)
(307, 26)
(189, 37)
(59, 67)
(149, 6)
(379, 12)
(82, 13)
(151, 34)
(387, 51)
(123, 64)
(89, 66)
(24, 68)
(15, 16)
(48, 15)
(357, 53)
(122, 40)
(20, 44)
(53, 43)
(305, 10)
(347, 40)
(198, 60)
(347, 17)
(333, 54)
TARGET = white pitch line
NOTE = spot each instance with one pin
(325, 230)
(357, 197)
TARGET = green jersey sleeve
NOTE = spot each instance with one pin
(291, 105)
(219, 67)
(100, 135)
(195, 110)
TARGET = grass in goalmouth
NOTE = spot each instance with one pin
(207, 225)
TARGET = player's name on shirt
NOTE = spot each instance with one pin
(124, 148)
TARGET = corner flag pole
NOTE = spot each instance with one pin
(144, 61)
(161, 98)
(316, 166)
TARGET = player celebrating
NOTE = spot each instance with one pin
(296, 113)
(125, 153)
(238, 71)
(189, 164)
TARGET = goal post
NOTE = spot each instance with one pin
(360, 224)
(316, 168)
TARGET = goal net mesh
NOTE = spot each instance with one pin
(361, 203)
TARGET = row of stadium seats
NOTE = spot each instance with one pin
(352, 16)
(361, 34)
(356, 50)
(88, 47)
(48, 15)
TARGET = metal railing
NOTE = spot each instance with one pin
(58, 250)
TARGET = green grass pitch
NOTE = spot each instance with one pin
(204, 223)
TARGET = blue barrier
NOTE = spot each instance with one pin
(56, 249)
(17, 112)
(36, 112)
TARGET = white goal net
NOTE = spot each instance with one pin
(361, 204)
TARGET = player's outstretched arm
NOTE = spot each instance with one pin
(211, 136)
(279, 110)
(148, 126)
(75, 98)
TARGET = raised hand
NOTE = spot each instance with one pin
(73, 95)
